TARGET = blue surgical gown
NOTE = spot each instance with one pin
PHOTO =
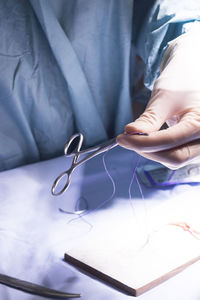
(66, 65)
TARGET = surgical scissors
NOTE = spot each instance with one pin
(78, 140)
(75, 163)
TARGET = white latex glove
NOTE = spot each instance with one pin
(176, 100)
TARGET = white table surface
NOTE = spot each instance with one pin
(34, 233)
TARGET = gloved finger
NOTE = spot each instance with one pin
(176, 157)
(188, 129)
(148, 122)
(157, 112)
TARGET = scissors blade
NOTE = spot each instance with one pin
(34, 289)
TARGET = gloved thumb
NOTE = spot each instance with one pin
(156, 113)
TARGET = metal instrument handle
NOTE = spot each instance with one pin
(34, 289)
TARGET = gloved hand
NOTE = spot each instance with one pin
(176, 100)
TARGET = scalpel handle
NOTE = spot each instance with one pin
(34, 289)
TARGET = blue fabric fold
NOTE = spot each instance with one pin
(66, 66)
